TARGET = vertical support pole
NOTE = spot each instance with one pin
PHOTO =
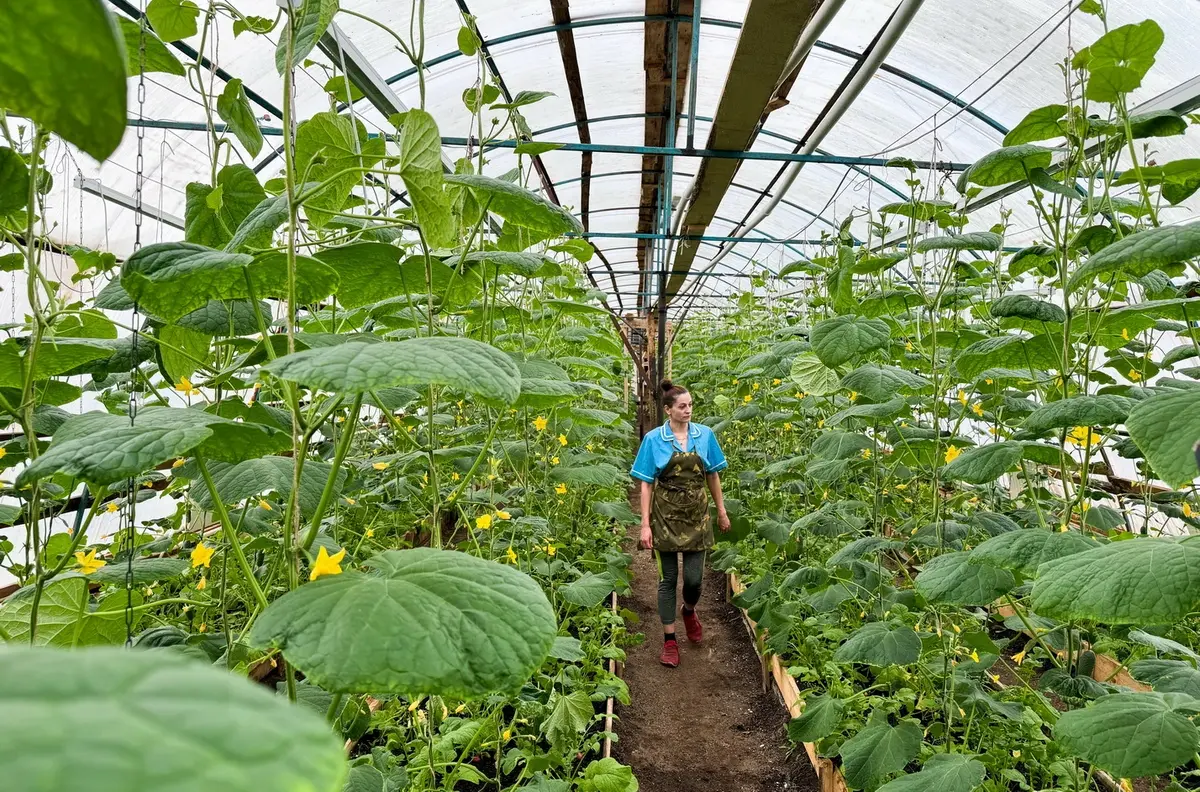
(693, 78)
(664, 198)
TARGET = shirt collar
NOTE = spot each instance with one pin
(669, 436)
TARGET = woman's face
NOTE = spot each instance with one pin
(681, 410)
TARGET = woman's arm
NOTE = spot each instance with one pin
(647, 538)
(714, 486)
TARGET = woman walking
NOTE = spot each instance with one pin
(678, 465)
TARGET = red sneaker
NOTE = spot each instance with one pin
(695, 632)
(670, 654)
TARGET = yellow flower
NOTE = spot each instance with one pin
(550, 550)
(381, 465)
(185, 386)
(977, 408)
(1126, 785)
(754, 386)
(902, 487)
(853, 395)
(747, 398)
(776, 381)
(787, 427)
(1019, 657)
(483, 522)
(539, 423)
(821, 424)
(952, 454)
(995, 678)
(799, 394)
(327, 564)
(962, 397)
(507, 735)
(908, 347)
(177, 463)
(454, 476)
(956, 628)
(561, 489)
(111, 507)
(562, 440)
(589, 447)
(1125, 333)
(262, 504)
(202, 555)
(202, 583)
(88, 563)
(993, 431)
(975, 655)
(553, 460)
(1187, 510)
(1082, 436)
(735, 382)
(511, 556)
(351, 501)
(1134, 375)
(988, 381)
(503, 515)
(1016, 754)
(416, 703)
(3, 452)
(460, 709)
(866, 453)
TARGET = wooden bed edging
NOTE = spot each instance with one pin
(827, 773)
(608, 705)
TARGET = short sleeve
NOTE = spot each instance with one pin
(643, 467)
(716, 461)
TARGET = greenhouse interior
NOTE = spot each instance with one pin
(577, 396)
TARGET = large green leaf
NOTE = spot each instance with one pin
(174, 19)
(1166, 428)
(1024, 550)
(942, 772)
(331, 149)
(237, 482)
(951, 580)
(367, 272)
(1078, 411)
(421, 170)
(1140, 581)
(423, 621)
(180, 349)
(881, 383)
(62, 65)
(599, 474)
(1039, 124)
(1010, 352)
(813, 376)
(977, 240)
(1140, 253)
(879, 749)
(14, 183)
(103, 448)
(1131, 734)
(310, 21)
(1168, 676)
(880, 644)
(354, 367)
(1119, 59)
(876, 412)
(518, 205)
(154, 722)
(1006, 165)
(234, 108)
(588, 591)
(985, 463)
(570, 715)
(225, 318)
(144, 49)
(1025, 307)
(820, 718)
(843, 338)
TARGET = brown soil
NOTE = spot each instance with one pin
(706, 726)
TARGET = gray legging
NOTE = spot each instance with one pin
(668, 580)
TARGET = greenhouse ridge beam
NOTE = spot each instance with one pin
(119, 198)
(566, 45)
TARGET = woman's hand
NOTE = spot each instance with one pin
(723, 520)
(647, 539)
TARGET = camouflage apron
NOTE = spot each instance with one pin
(679, 506)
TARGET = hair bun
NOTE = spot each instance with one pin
(667, 385)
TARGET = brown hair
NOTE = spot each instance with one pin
(671, 392)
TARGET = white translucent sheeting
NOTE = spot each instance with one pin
(1003, 56)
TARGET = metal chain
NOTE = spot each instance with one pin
(139, 171)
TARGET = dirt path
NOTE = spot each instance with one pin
(706, 726)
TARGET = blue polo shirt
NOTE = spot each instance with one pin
(659, 445)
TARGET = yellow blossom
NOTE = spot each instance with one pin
(776, 381)
(203, 627)
(754, 386)
(747, 398)
(88, 563)
(853, 395)
(327, 564)
(503, 515)
(3, 452)
(483, 522)
(1134, 375)
(1016, 754)
(901, 487)
(988, 381)
(821, 424)
(539, 423)
(561, 489)
(962, 397)
(177, 463)
(977, 408)
(381, 465)
(799, 394)
(562, 439)
(370, 534)
(735, 382)
(202, 583)
(787, 427)
(956, 628)
(202, 555)
(866, 453)
(1187, 510)
(1126, 785)
(185, 386)
(589, 447)
(908, 347)
(455, 476)
(460, 709)
(262, 504)
(1125, 333)
(995, 678)
(511, 556)
(952, 454)
(975, 655)
(551, 550)
(416, 703)
(993, 430)
(111, 507)
(351, 501)
(1019, 657)
(1082, 436)
(507, 735)
(553, 460)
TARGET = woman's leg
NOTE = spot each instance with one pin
(693, 578)
(668, 582)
